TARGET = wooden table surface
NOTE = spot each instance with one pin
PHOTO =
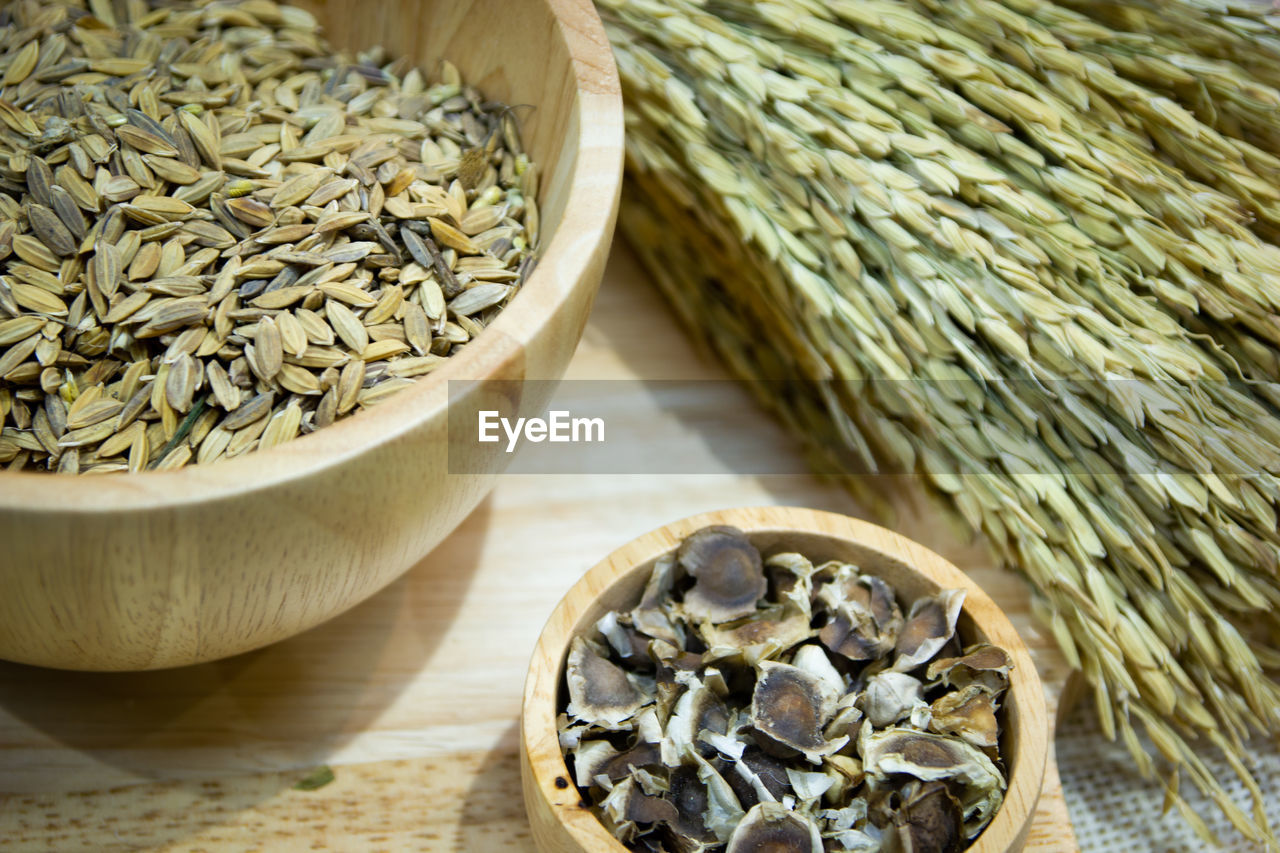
(413, 696)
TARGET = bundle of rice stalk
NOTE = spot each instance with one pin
(1001, 245)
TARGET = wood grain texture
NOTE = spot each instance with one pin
(413, 696)
(557, 815)
(168, 568)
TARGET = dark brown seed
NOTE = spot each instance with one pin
(50, 230)
(136, 405)
(62, 70)
(417, 248)
(68, 211)
(112, 225)
(56, 410)
(249, 412)
(39, 180)
(327, 411)
(427, 254)
(472, 167)
(141, 120)
(187, 152)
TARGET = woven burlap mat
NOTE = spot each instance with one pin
(1114, 809)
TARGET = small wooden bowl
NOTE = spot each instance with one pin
(562, 825)
(162, 569)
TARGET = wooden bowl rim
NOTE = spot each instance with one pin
(595, 185)
(544, 762)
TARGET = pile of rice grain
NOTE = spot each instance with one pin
(219, 234)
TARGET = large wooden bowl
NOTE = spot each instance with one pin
(162, 569)
(561, 823)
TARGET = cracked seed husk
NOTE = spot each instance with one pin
(743, 735)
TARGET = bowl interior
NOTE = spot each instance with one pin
(623, 586)
(512, 52)
(560, 78)
(909, 584)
